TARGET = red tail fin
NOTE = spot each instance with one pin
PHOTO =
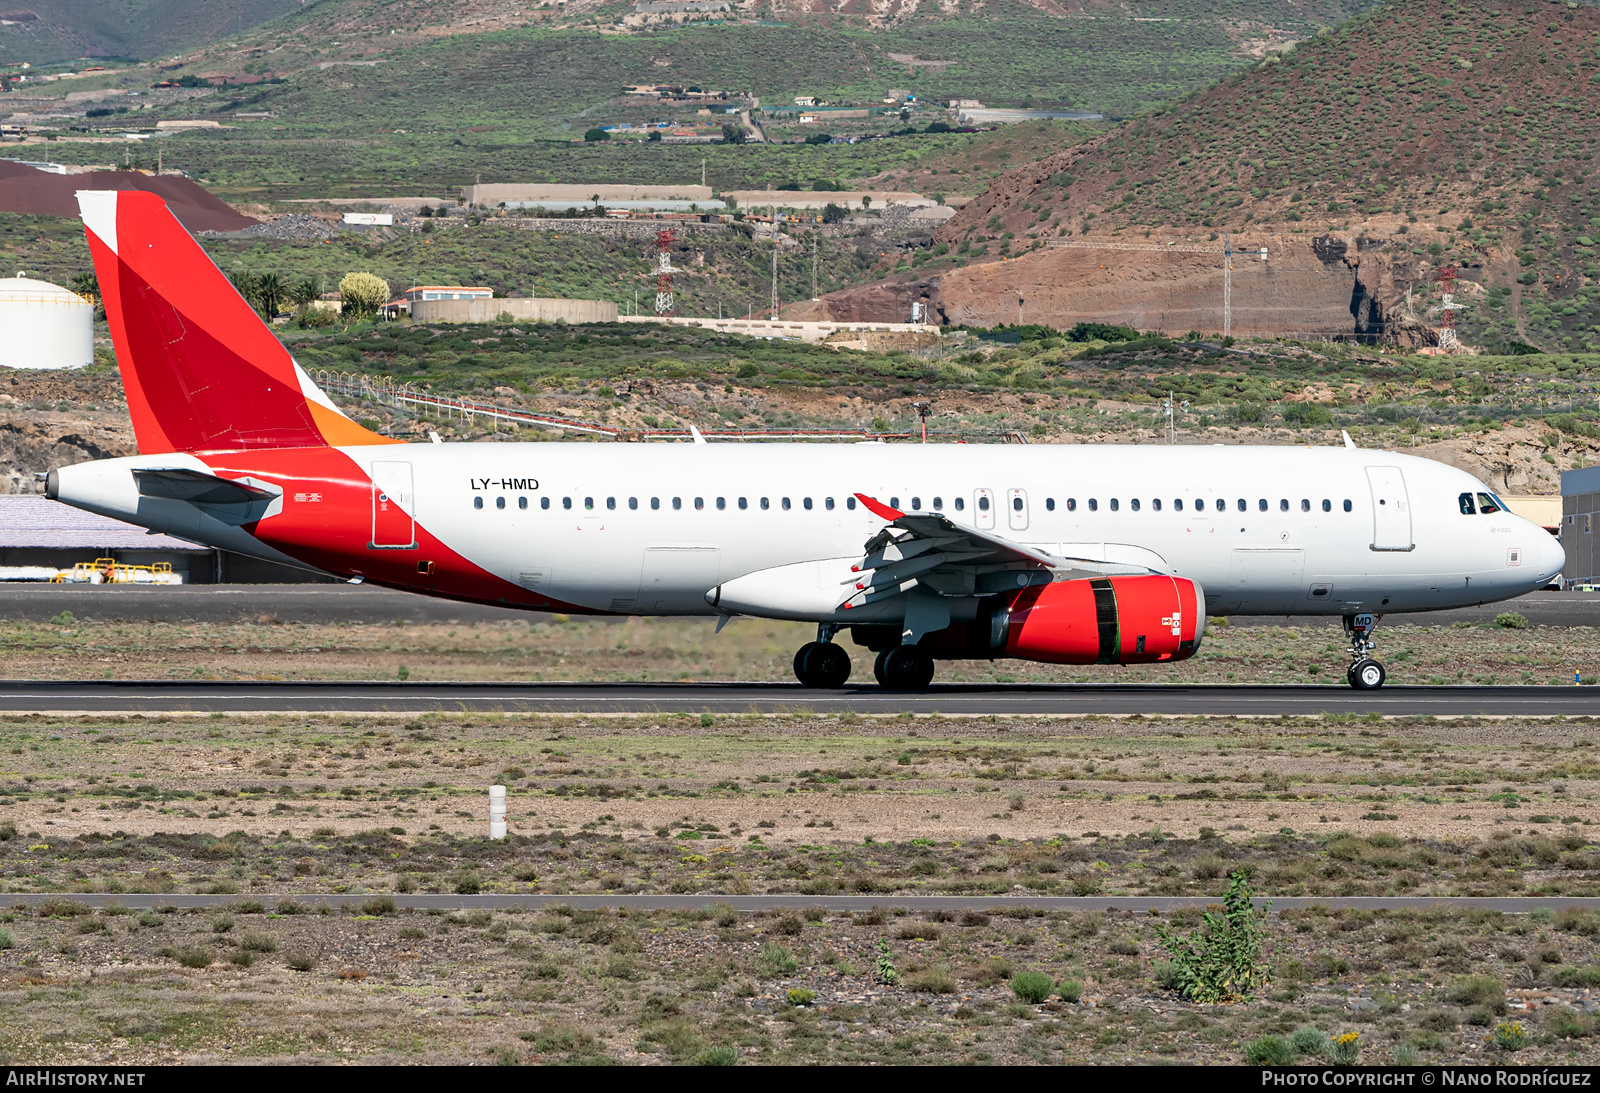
(201, 370)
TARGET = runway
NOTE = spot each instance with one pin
(364, 604)
(838, 904)
(116, 696)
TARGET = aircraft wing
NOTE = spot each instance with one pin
(926, 550)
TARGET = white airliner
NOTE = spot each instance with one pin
(1063, 554)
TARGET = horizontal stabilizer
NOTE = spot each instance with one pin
(197, 487)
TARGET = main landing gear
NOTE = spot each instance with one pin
(821, 663)
(1364, 673)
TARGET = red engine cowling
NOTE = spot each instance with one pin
(1106, 620)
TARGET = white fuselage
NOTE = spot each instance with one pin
(1265, 530)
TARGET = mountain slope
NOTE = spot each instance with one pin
(44, 31)
(1428, 132)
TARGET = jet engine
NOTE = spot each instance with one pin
(1105, 620)
(1097, 620)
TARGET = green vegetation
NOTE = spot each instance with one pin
(1222, 961)
(1032, 987)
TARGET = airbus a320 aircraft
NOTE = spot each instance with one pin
(1065, 554)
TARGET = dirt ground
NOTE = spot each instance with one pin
(651, 649)
(359, 806)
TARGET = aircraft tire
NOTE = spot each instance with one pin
(907, 668)
(800, 662)
(1367, 675)
(826, 666)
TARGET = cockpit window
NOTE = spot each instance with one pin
(1467, 508)
(1487, 504)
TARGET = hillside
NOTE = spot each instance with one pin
(1425, 133)
(44, 31)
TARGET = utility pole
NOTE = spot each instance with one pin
(773, 212)
(1227, 286)
(702, 171)
(813, 264)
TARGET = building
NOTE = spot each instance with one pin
(38, 534)
(805, 100)
(403, 303)
(965, 104)
(1580, 512)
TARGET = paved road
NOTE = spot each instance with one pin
(840, 904)
(732, 698)
(326, 603)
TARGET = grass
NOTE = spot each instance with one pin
(472, 992)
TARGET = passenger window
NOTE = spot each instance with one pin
(633, 503)
(894, 502)
(611, 503)
(850, 503)
(1465, 501)
(677, 502)
(1283, 504)
(1262, 504)
(1486, 504)
(522, 502)
(499, 502)
(827, 503)
(722, 503)
(805, 503)
(1327, 506)
(765, 503)
(699, 502)
(961, 504)
(1072, 504)
(1305, 504)
(938, 504)
(655, 503)
(588, 503)
(566, 502)
(785, 504)
(477, 502)
(1155, 503)
(916, 504)
(983, 504)
(544, 502)
(1049, 504)
(1243, 505)
(744, 502)
(1347, 504)
(1222, 506)
(1177, 504)
(1115, 504)
(1134, 504)
(1016, 504)
(1094, 505)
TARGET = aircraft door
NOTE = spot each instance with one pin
(393, 507)
(983, 509)
(1391, 509)
(1017, 509)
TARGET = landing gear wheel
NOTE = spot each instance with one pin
(800, 660)
(1367, 675)
(877, 668)
(906, 668)
(824, 665)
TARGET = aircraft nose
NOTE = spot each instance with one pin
(1552, 556)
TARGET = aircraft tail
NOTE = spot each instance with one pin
(201, 371)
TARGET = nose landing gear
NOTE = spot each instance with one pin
(1364, 673)
(821, 663)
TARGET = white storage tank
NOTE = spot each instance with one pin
(44, 325)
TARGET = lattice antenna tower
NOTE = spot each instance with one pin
(1448, 307)
(664, 272)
